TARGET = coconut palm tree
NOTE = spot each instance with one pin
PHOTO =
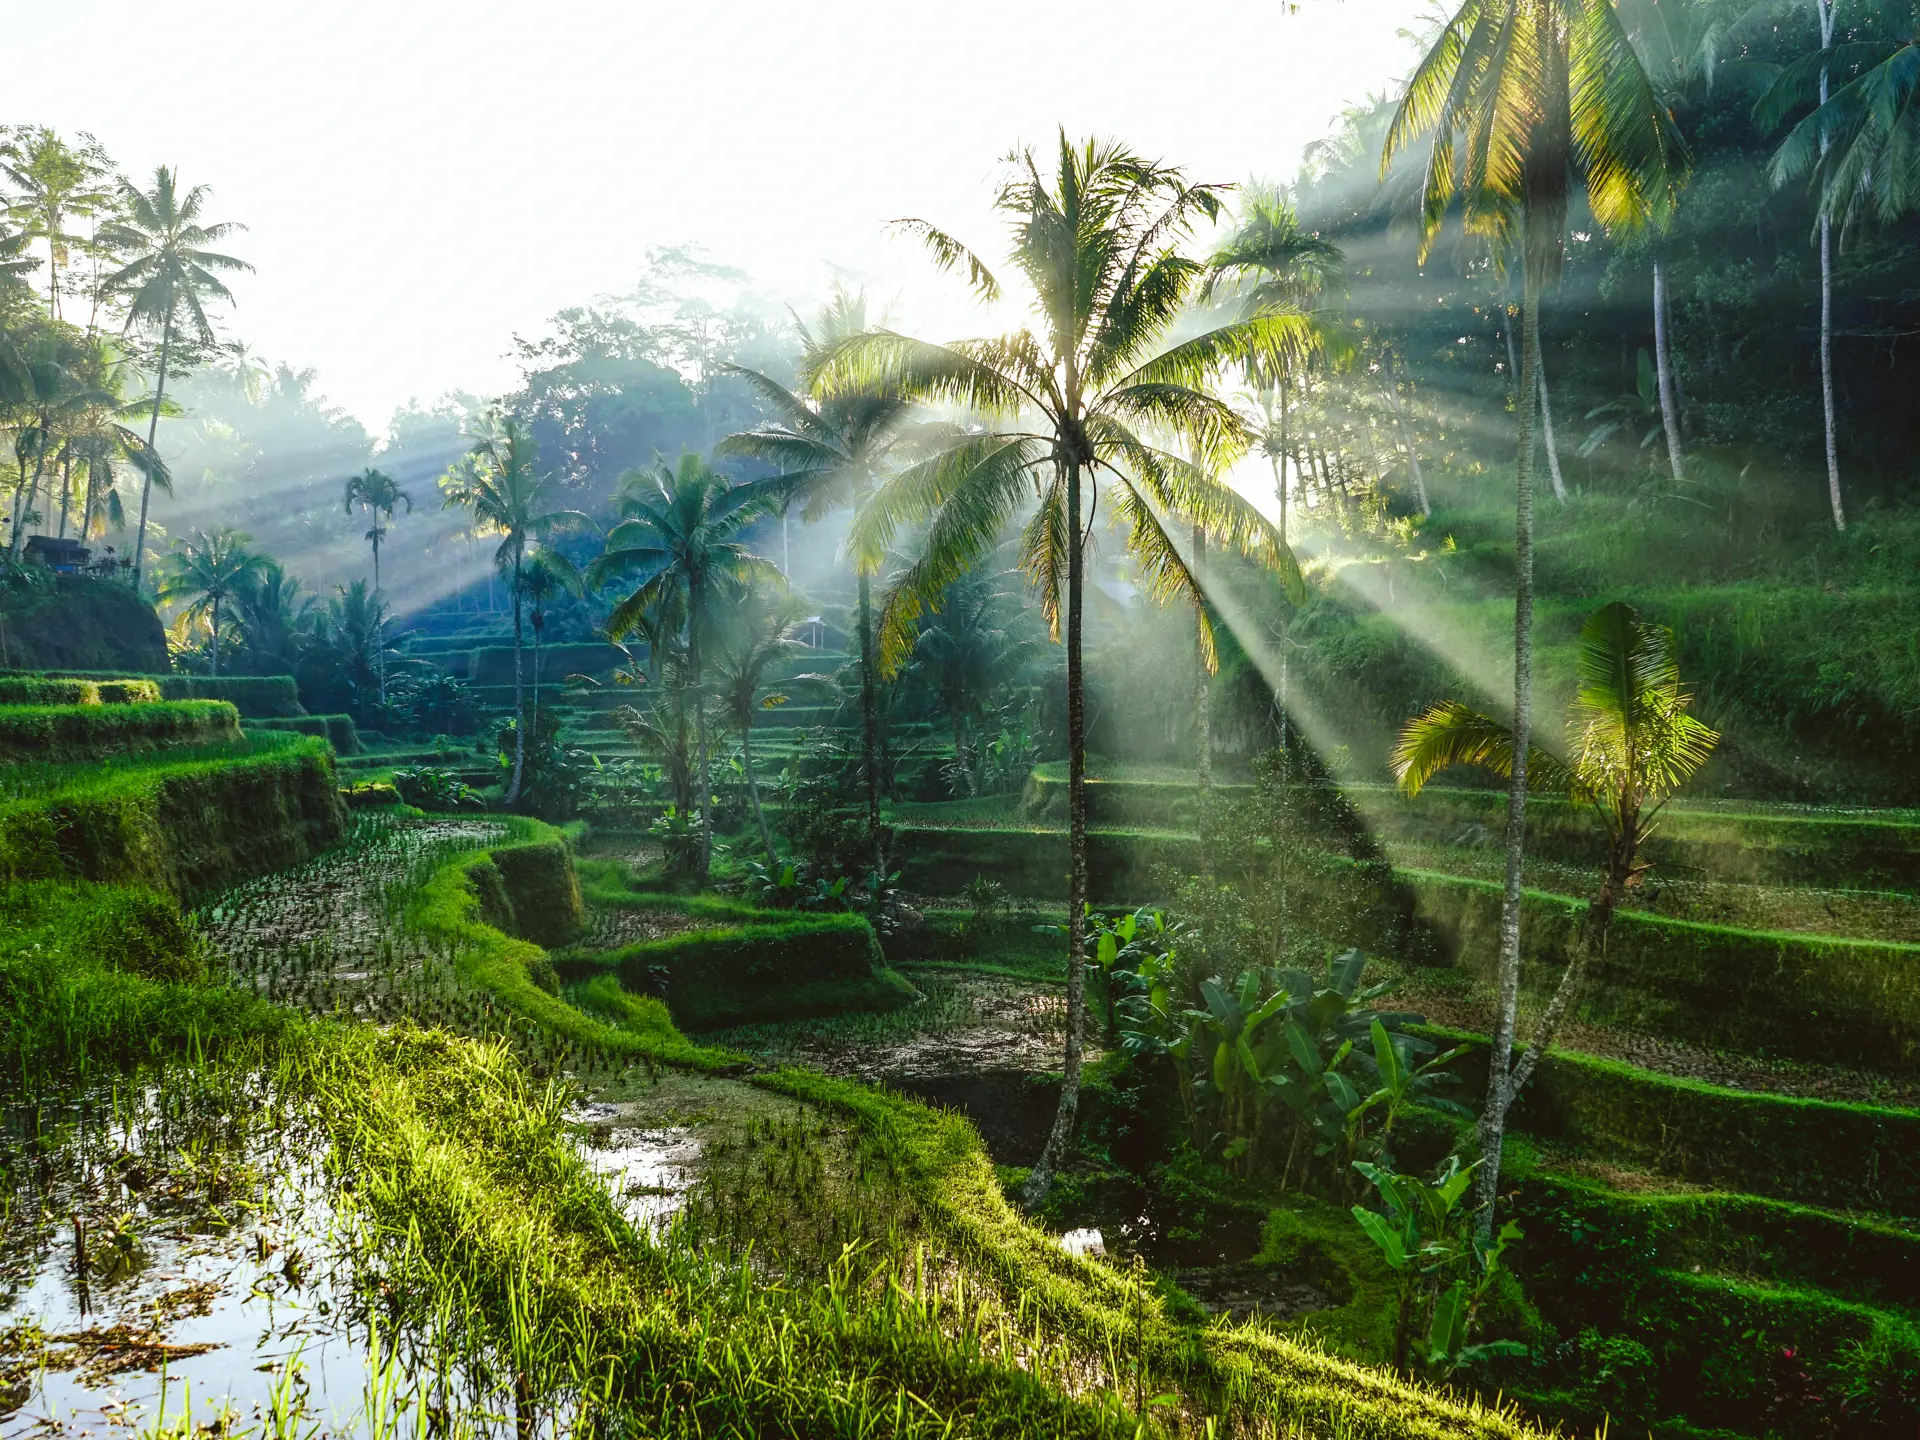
(1271, 265)
(1633, 743)
(500, 484)
(547, 576)
(379, 494)
(1807, 148)
(275, 619)
(1061, 410)
(45, 387)
(759, 636)
(679, 530)
(967, 650)
(97, 435)
(55, 184)
(1862, 145)
(207, 571)
(833, 447)
(167, 281)
(1522, 100)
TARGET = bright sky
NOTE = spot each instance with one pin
(423, 180)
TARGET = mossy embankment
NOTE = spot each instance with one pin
(66, 733)
(186, 822)
(81, 624)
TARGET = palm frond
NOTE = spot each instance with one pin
(1452, 734)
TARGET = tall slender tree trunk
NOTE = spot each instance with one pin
(23, 509)
(66, 492)
(153, 430)
(870, 732)
(380, 628)
(961, 756)
(1066, 1116)
(519, 691)
(1406, 436)
(1663, 370)
(213, 646)
(1280, 459)
(87, 494)
(1493, 1120)
(1546, 422)
(700, 734)
(753, 787)
(1826, 8)
(1202, 698)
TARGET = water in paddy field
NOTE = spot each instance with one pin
(175, 1258)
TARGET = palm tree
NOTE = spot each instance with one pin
(1680, 46)
(759, 636)
(46, 387)
(56, 185)
(1521, 98)
(275, 619)
(1634, 744)
(350, 642)
(1809, 147)
(678, 530)
(1862, 145)
(167, 282)
(96, 432)
(380, 495)
(207, 571)
(500, 484)
(963, 654)
(1060, 412)
(546, 576)
(833, 448)
(1275, 267)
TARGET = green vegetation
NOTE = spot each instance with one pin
(63, 733)
(184, 823)
(750, 919)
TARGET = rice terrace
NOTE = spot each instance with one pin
(1071, 723)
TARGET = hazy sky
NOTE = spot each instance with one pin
(423, 180)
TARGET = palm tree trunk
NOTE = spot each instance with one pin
(1825, 7)
(1202, 700)
(213, 646)
(1064, 1118)
(870, 732)
(1493, 1118)
(519, 692)
(1280, 460)
(959, 724)
(1406, 436)
(1663, 369)
(1546, 422)
(153, 430)
(753, 787)
(1623, 850)
(23, 510)
(705, 796)
(66, 492)
(380, 626)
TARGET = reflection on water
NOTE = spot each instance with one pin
(170, 1231)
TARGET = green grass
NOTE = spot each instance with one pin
(71, 733)
(1833, 1155)
(187, 822)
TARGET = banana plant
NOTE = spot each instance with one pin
(1401, 1083)
(1229, 1030)
(1427, 1239)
